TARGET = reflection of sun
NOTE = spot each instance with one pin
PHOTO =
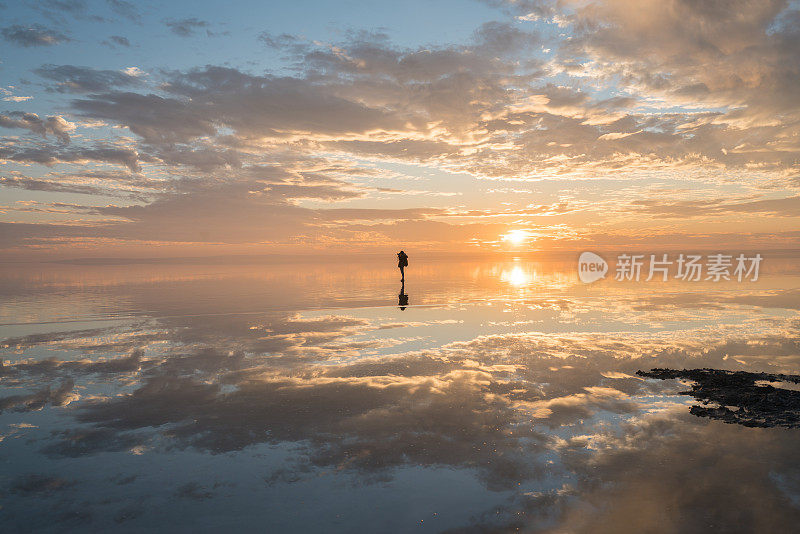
(516, 237)
(516, 277)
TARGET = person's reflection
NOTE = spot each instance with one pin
(402, 298)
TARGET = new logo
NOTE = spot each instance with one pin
(591, 267)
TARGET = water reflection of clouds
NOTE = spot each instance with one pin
(547, 415)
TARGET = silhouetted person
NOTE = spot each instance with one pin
(402, 298)
(402, 263)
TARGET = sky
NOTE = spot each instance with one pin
(138, 129)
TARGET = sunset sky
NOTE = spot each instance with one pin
(138, 129)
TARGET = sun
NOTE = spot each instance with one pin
(517, 237)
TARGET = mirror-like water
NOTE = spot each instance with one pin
(310, 397)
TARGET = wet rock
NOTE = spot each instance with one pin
(738, 397)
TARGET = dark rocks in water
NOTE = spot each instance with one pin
(735, 397)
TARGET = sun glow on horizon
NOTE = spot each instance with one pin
(517, 237)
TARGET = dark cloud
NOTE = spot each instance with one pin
(59, 396)
(281, 41)
(185, 27)
(193, 490)
(59, 12)
(107, 183)
(77, 443)
(119, 40)
(32, 35)
(75, 79)
(55, 125)
(35, 484)
(125, 9)
(499, 38)
(49, 155)
(128, 364)
(156, 119)
(270, 106)
(31, 184)
(201, 158)
(67, 6)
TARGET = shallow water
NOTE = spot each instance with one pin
(298, 396)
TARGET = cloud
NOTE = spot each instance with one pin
(50, 155)
(31, 184)
(106, 183)
(725, 55)
(32, 35)
(253, 106)
(55, 125)
(185, 27)
(75, 79)
(516, 410)
(372, 415)
(624, 475)
(60, 396)
(119, 40)
(52, 7)
(494, 107)
(125, 9)
(79, 442)
(156, 119)
(35, 484)
(779, 207)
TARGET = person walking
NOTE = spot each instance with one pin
(402, 263)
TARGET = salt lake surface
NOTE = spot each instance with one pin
(299, 396)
